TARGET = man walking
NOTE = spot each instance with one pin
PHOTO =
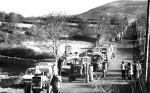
(138, 69)
(123, 70)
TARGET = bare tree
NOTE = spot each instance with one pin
(52, 30)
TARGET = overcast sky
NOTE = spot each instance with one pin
(44, 7)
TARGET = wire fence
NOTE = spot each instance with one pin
(15, 61)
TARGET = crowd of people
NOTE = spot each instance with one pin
(129, 70)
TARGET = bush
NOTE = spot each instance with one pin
(24, 53)
(29, 33)
(3, 36)
(83, 38)
(40, 56)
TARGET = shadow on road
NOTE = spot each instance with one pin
(125, 49)
(128, 38)
(128, 59)
(113, 76)
(84, 86)
(131, 42)
(114, 70)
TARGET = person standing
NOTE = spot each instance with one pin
(138, 69)
(105, 66)
(60, 63)
(129, 70)
(123, 70)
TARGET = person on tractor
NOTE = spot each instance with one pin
(97, 63)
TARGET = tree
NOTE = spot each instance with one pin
(84, 28)
(51, 30)
(114, 21)
(13, 18)
(141, 26)
(7, 18)
(2, 16)
(3, 36)
(102, 28)
(20, 18)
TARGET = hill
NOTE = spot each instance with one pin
(119, 8)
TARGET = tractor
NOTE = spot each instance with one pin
(76, 70)
(45, 78)
(27, 77)
(81, 67)
(100, 60)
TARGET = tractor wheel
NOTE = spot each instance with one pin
(27, 89)
(56, 87)
(74, 78)
(70, 79)
(35, 91)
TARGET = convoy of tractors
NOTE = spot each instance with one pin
(44, 75)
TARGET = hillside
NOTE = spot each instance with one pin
(120, 8)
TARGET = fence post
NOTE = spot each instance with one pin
(87, 73)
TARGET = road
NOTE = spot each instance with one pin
(124, 53)
(113, 81)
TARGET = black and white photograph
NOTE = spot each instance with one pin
(74, 46)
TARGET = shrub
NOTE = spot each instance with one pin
(29, 33)
(83, 38)
(24, 53)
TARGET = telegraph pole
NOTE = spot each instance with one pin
(147, 43)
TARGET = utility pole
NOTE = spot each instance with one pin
(147, 44)
(148, 63)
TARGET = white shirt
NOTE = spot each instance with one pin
(123, 66)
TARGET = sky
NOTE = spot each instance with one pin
(44, 7)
